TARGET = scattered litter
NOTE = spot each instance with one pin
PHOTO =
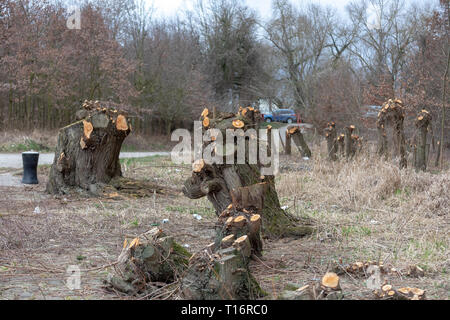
(284, 207)
(186, 245)
(305, 158)
(165, 220)
(373, 222)
(197, 216)
(37, 210)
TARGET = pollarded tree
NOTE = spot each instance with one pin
(237, 179)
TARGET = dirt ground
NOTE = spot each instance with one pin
(363, 210)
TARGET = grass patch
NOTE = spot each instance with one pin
(275, 125)
(27, 145)
(203, 211)
(143, 160)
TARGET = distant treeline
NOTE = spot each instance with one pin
(221, 54)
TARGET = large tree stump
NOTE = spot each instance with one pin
(221, 274)
(241, 183)
(87, 152)
(393, 113)
(423, 123)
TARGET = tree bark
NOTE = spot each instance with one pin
(392, 112)
(438, 155)
(242, 184)
(423, 122)
(330, 136)
(295, 133)
(444, 93)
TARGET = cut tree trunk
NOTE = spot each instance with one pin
(242, 183)
(330, 136)
(234, 223)
(297, 136)
(328, 288)
(341, 144)
(438, 155)
(349, 141)
(288, 146)
(221, 274)
(387, 292)
(382, 139)
(392, 112)
(87, 152)
(149, 258)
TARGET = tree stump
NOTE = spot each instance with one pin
(221, 275)
(388, 292)
(438, 154)
(332, 143)
(328, 288)
(423, 123)
(288, 146)
(392, 112)
(295, 134)
(234, 223)
(240, 183)
(87, 152)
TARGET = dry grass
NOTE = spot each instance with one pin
(402, 215)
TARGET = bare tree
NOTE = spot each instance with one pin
(306, 41)
(387, 30)
(231, 50)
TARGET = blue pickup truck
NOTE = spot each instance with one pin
(281, 115)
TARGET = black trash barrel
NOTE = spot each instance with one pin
(30, 162)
